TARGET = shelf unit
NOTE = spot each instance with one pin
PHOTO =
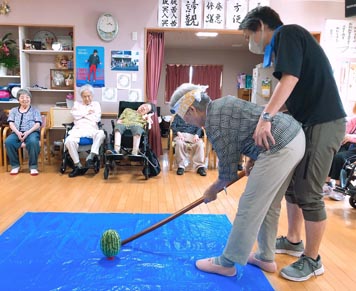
(35, 65)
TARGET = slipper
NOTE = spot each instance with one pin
(15, 171)
(33, 172)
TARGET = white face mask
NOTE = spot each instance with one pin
(256, 48)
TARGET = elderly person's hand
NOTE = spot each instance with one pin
(180, 136)
(195, 138)
(24, 135)
(249, 165)
(211, 193)
(348, 138)
(262, 134)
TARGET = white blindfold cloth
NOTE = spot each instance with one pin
(182, 105)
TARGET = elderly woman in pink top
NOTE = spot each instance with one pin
(347, 150)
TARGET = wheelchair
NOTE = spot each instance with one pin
(348, 180)
(112, 160)
(85, 144)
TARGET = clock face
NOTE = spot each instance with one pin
(107, 27)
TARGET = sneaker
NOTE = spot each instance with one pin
(180, 171)
(335, 195)
(33, 172)
(201, 171)
(270, 267)
(283, 246)
(208, 265)
(15, 171)
(303, 269)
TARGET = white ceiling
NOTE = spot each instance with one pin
(187, 39)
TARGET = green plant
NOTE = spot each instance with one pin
(8, 52)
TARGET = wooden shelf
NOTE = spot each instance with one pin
(46, 52)
(10, 77)
(49, 90)
(10, 102)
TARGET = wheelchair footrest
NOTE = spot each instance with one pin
(114, 157)
(135, 158)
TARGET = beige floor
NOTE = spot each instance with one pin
(126, 190)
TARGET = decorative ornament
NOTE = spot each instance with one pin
(4, 8)
(62, 61)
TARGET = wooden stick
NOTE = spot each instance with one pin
(173, 216)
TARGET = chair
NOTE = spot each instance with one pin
(6, 111)
(171, 145)
(44, 144)
(111, 160)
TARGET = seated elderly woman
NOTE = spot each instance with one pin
(134, 121)
(25, 122)
(86, 115)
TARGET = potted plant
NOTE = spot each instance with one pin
(8, 53)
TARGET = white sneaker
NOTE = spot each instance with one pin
(15, 171)
(337, 196)
(33, 172)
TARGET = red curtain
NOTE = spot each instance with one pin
(209, 75)
(154, 57)
(176, 75)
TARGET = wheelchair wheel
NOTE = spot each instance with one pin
(97, 166)
(146, 172)
(352, 202)
(106, 172)
(63, 167)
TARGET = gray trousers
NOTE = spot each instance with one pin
(184, 149)
(260, 204)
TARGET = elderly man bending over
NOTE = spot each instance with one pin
(86, 115)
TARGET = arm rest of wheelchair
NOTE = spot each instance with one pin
(68, 125)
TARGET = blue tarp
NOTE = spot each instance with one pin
(61, 251)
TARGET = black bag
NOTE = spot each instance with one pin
(153, 167)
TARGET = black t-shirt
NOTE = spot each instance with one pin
(315, 98)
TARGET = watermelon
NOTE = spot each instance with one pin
(110, 243)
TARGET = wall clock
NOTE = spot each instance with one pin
(107, 27)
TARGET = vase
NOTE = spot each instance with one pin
(70, 103)
(3, 70)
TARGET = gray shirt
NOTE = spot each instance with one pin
(230, 125)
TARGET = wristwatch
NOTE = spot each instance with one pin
(265, 116)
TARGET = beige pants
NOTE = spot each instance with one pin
(260, 204)
(184, 149)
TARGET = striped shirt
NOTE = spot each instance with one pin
(230, 125)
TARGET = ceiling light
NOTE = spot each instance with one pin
(206, 34)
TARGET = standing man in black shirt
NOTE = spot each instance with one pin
(308, 90)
